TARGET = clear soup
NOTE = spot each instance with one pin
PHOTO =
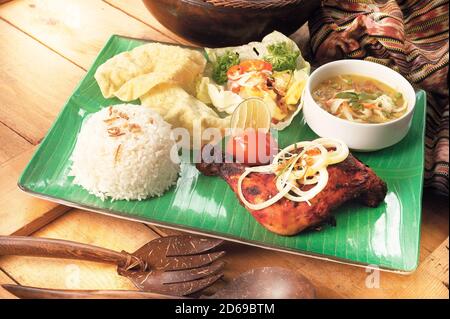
(360, 99)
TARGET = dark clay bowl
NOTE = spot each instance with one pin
(215, 26)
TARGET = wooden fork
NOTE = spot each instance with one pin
(173, 265)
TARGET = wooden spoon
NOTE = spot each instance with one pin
(267, 283)
(260, 283)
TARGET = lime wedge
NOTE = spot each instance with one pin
(251, 113)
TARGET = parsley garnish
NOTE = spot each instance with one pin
(282, 56)
(222, 65)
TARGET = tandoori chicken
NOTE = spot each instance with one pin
(348, 180)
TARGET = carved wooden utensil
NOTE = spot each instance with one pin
(260, 283)
(267, 283)
(173, 265)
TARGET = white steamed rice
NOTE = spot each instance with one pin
(131, 162)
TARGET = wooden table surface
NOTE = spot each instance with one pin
(46, 46)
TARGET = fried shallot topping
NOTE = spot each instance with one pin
(124, 124)
(110, 120)
(114, 131)
(118, 153)
(134, 128)
(124, 116)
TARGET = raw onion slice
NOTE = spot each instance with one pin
(290, 148)
(310, 180)
(322, 159)
(339, 154)
(304, 196)
(262, 205)
(300, 168)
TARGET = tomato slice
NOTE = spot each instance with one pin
(234, 71)
(248, 66)
(255, 65)
(252, 147)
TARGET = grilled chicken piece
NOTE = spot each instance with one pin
(348, 180)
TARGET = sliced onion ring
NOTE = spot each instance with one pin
(337, 156)
(262, 205)
(304, 196)
(315, 173)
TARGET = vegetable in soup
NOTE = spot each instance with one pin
(360, 99)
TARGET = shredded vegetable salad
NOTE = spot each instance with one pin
(300, 170)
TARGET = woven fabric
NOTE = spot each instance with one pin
(411, 37)
(253, 4)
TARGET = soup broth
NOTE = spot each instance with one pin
(360, 99)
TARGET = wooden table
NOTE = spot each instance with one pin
(46, 46)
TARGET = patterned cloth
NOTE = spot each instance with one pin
(410, 36)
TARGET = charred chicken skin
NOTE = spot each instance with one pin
(347, 181)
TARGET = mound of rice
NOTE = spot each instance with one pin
(123, 152)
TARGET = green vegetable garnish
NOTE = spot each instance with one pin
(363, 96)
(347, 95)
(221, 66)
(281, 56)
(356, 98)
(356, 106)
(397, 96)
